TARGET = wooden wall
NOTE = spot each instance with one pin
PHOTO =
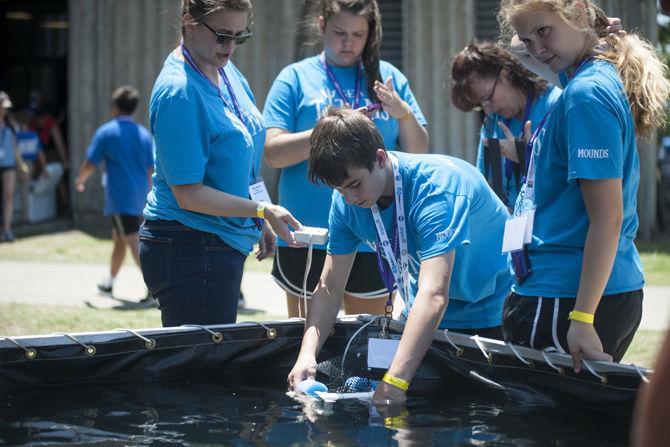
(113, 42)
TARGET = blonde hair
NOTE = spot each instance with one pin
(642, 71)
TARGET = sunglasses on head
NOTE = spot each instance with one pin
(225, 39)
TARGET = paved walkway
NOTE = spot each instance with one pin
(75, 285)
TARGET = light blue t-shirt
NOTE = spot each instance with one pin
(297, 99)
(7, 158)
(126, 148)
(538, 110)
(448, 206)
(589, 135)
(199, 140)
(29, 144)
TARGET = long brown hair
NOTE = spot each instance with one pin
(641, 70)
(486, 60)
(198, 9)
(364, 8)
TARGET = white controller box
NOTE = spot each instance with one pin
(311, 235)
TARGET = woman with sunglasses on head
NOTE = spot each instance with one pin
(486, 76)
(579, 280)
(348, 73)
(201, 218)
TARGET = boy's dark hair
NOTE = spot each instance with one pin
(125, 98)
(342, 139)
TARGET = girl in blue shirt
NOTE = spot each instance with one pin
(208, 139)
(350, 74)
(582, 289)
(487, 77)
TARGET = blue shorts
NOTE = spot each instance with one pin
(194, 275)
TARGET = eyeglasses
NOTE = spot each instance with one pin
(490, 97)
(225, 39)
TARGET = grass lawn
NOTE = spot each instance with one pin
(77, 247)
(30, 319)
(80, 248)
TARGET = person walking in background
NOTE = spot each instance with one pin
(208, 137)
(348, 73)
(488, 77)
(126, 148)
(579, 280)
(10, 160)
(30, 148)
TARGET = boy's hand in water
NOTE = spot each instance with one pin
(387, 394)
(304, 368)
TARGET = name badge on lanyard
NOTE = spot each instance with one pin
(258, 191)
(399, 267)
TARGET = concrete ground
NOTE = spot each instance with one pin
(75, 285)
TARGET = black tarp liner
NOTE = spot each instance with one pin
(248, 353)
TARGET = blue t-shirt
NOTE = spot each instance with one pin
(29, 144)
(297, 99)
(448, 206)
(7, 158)
(198, 139)
(589, 135)
(538, 110)
(126, 148)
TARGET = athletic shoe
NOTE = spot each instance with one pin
(104, 288)
(149, 301)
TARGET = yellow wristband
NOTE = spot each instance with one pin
(396, 382)
(260, 210)
(581, 316)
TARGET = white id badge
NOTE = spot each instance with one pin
(515, 230)
(530, 219)
(258, 192)
(381, 352)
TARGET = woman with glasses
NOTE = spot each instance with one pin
(487, 77)
(348, 73)
(202, 219)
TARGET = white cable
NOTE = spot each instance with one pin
(592, 371)
(308, 266)
(479, 344)
(344, 356)
(642, 375)
(523, 360)
(546, 359)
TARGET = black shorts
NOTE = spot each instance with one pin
(540, 322)
(126, 224)
(7, 168)
(288, 270)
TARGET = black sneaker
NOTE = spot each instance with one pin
(104, 288)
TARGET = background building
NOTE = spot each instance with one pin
(77, 51)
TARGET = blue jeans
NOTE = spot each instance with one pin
(194, 275)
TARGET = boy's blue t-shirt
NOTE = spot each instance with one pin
(539, 109)
(589, 135)
(126, 148)
(448, 206)
(29, 144)
(299, 96)
(7, 159)
(199, 140)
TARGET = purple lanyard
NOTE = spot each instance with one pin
(235, 108)
(385, 272)
(338, 87)
(236, 105)
(536, 133)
